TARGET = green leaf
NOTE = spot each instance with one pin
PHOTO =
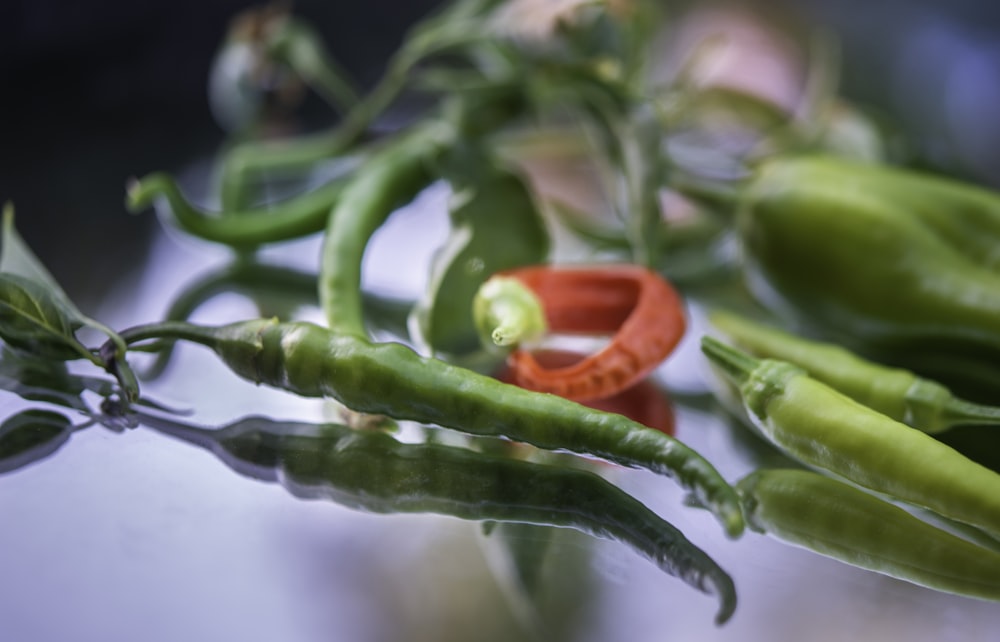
(495, 226)
(17, 258)
(37, 316)
(31, 435)
(33, 319)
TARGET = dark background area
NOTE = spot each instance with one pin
(101, 90)
(98, 91)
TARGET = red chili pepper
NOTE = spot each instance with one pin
(642, 402)
(644, 313)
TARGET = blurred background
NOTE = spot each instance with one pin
(98, 91)
(116, 536)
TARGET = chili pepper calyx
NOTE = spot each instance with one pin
(507, 313)
(759, 380)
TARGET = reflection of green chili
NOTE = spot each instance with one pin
(843, 522)
(369, 470)
(391, 379)
(823, 428)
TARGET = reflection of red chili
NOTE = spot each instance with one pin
(644, 313)
(642, 402)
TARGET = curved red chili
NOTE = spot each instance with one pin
(642, 402)
(643, 311)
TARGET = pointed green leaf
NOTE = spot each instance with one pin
(32, 319)
(37, 316)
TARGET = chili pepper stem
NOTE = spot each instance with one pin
(736, 365)
(958, 412)
(175, 330)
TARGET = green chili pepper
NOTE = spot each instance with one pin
(460, 25)
(840, 521)
(822, 428)
(263, 283)
(369, 470)
(495, 226)
(886, 259)
(916, 401)
(391, 379)
(296, 217)
(390, 178)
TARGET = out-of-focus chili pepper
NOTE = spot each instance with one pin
(916, 401)
(841, 521)
(392, 176)
(644, 314)
(495, 225)
(296, 217)
(459, 26)
(391, 379)
(823, 428)
(889, 260)
(369, 470)
(641, 402)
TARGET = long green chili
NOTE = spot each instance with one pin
(296, 217)
(391, 379)
(823, 428)
(838, 520)
(901, 394)
(390, 178)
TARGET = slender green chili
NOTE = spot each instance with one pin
(296, 217)
(390, 178)
(391, 379)
(369, 470)
(823, 428)
(916, 401)
(841, 521)
(457, 27)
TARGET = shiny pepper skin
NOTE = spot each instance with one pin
(838, 520)
(824, 429)
(888, 259)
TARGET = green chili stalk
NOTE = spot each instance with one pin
(918, 402)
(392, 380)
(371, 471)
(823, 428)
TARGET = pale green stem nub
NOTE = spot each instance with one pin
(507, 313)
